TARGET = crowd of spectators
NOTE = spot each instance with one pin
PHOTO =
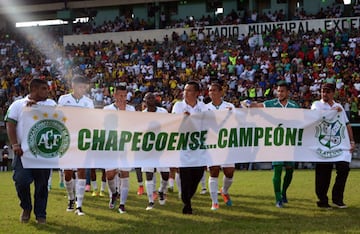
(246, 71)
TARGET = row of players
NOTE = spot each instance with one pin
(188, 178)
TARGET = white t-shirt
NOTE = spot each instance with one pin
(70, 100)
(182, 107)
(114, 107)
(321, 105)
(158, 110)
(223, 106)
(186, 156)
(158, 169)
(14, 113)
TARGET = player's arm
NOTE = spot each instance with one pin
(11, 131)
(249, 104)
(351, 137)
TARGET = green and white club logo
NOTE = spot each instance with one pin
(48, 138)
(330, 135)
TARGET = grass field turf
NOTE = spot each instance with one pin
(253, 210)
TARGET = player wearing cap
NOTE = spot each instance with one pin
(323, 170)
(77, 98)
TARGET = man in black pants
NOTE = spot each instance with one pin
(189, 176)
(323, 170)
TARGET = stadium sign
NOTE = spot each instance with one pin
(298, 26)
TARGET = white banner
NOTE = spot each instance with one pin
(68, 137)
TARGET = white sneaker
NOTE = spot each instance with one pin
(122, 209)
(79, 211)
(162, 198)
(203, 191)
(150, 206)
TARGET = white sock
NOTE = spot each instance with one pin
(80, 190)
(69, 185)
(154, 181)
(112, 186)
(163, 185)
(124, 190)
(118, 183)
(94, 185)
(171, 182)
(103, 185)
(50, 177)
(61, 176)
(149, 184)
(76, 178)
(178, 181)
(203, 181)
(213, 188)
(227, 182)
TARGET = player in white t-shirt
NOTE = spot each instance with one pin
(77, 98)
(23, 177)
(217, 103)
(150, 103)
(120, 103)
(189, 177)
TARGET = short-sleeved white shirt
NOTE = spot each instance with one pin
(70, 100)
(182, 106)
(158, 169)
(114, 107)
(321, 105)
(14, 113)
(223, 106)
(158, 110)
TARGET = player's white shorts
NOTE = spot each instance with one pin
(158, 169)
(118, 169)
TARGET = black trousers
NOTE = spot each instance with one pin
(190, 178)
(323, 178)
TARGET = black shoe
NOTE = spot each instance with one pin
(340, 205)
(187, 210)
(25, 216)
(284, 198)
(71, 205)
(40, 220)
(324, 205)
